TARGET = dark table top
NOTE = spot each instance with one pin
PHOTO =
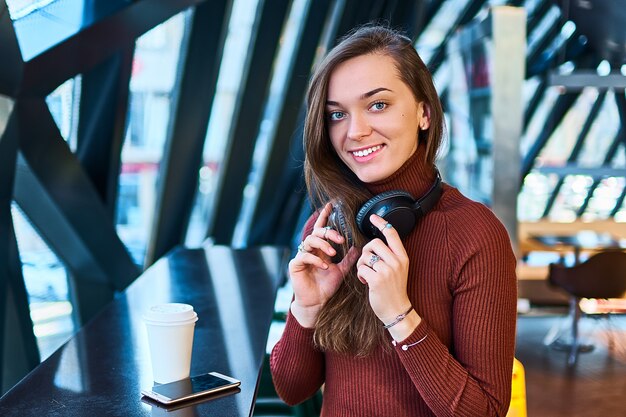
(102, 369)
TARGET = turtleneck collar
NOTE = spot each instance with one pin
(416, 176)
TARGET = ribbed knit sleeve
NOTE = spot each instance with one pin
(474, 378)
(297, 367)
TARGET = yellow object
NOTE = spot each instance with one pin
(517, 408)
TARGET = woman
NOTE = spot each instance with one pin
(419, 325)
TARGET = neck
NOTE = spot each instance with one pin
(416, 176)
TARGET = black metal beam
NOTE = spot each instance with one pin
(466, 15)
(277, 180)
(12, 65)
(352, 16)
(560, 108)
(183, 150)
(431, 11)
(578, 146)
(618, 203)
(21, 353)
(102, 122)
(620, 101)
(58, 197)
(246, 119)
(533, 102)
(91, 45)
(537, 14)
(538, 53)
(18, 346)
(610, 154)
(408, 15)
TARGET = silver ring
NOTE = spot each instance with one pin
(301, 248)
(326, 229)
(375, 258)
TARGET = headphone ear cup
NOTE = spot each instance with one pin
(384, 204)
(337, 220)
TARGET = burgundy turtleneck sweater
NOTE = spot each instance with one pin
(462, 283)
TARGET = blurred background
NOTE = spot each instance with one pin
(130, 127)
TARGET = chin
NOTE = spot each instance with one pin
(369, 178)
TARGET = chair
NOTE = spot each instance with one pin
(603, 275)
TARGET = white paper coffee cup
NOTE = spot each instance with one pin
(170, 337)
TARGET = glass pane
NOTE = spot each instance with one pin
(619, 160)
(601, 135)
(549, 20)
(283, 63)
(435, 33)
(20, 8)
(534, 195)
(63, 104)
(620, 216)
(152, 86)
(539, 120)
(604, 197)
(561, 142)
(571, 197)
(231, 70)
(46, 283)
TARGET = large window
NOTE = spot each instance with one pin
(231, 71)
(46, 281)
(152, 89)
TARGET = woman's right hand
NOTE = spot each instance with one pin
(314, 277)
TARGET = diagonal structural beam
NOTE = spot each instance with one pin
(247, 119)
(18, 346)
(183, 150)
(558, 111)
(468, 13)
(578, 146)
(610, 154)
(277, 177)
(93, 44)
(12, 65)
(58, 197)
(102, 122)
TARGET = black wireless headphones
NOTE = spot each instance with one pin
(399, 208)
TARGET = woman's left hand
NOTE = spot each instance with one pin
(385, 269)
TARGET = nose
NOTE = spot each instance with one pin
(358, 127)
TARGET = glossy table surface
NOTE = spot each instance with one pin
(101, 370)
(582, 240)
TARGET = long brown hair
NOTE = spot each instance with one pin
(346, 323)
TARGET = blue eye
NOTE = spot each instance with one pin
(378, 106)
(336, 115)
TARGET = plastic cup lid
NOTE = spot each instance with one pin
(170, 313)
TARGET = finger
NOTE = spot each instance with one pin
(379, 248)
(348, 261)
(305, 259)
(391, 234)
(365, 274)
(366, 256)
(322, 219)
(313, 242)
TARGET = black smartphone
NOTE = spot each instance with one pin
(192, 387)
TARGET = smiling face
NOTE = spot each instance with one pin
(372, 116)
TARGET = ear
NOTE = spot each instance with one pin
(423, 115)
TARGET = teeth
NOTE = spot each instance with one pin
(367, 151)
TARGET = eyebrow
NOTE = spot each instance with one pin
(362, 96)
